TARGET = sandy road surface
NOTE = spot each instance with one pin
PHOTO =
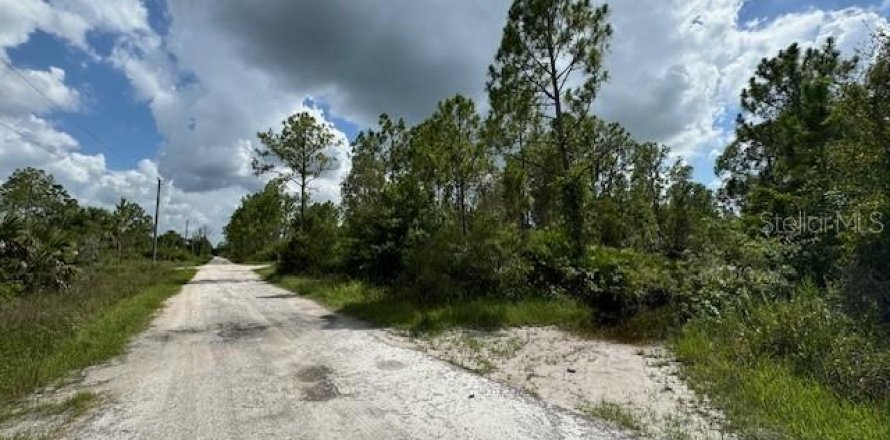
(232, 357)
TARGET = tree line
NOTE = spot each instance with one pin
(541, 197)
(48, 241)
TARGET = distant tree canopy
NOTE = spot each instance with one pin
(35, 197)
(47, 239)
(259, 223)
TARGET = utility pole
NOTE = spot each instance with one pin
(154, 244)
(187, 233)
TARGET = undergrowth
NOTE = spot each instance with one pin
(44, 337)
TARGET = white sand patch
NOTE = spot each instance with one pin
(592, 376)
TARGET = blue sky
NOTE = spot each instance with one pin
(180, 89)
(113, 121)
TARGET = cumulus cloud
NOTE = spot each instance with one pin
(365, 58)
(29, 138)
(208, 105)
(32, 141)
(69, 19)
(20, 96)
(678, 67)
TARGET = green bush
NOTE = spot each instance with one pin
(711, 284)
(315, 248)
(620, 282)
(493, 259)
(447, 265)
(431, 263)
(866, 286)
(616, 283)
(31, 263)
(546, 252)
(857, 368)
(378, 237)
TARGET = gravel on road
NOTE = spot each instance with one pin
(233, 357)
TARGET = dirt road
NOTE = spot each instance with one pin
(232, 357)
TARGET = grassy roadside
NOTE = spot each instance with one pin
(374, 305)
(764, 399)
(44, 337)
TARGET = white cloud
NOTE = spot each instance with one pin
(69, 19)
(27, 138)
(208, 121)
(20, 97)
(19, 18)
(678, 67)
(122, 16)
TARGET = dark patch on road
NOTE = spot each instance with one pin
(234, 331)
(333, 321)
(320, 392)
(172, 333)
(279, 296)
(322, 389)
(390, 365)
(314, 373)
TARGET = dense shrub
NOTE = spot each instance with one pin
(746, 270)
(866, 285)
(29, 263)
(378, 237)
(625, 281)
(546, 251)
(447, 265)
(858, 368)
(808, 334)
(616, 283)
(494, 261)
(315, 248)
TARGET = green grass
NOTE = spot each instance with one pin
(74, 406)
(765, 400)
(44, 337)
(618, 415)
(382, 308)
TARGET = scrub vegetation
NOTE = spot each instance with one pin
(774, 289)
(75, 281)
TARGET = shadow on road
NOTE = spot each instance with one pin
(224, 281)
(333, 321)
(278, 296)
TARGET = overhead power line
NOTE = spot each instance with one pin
(44, 147)
(53, 103)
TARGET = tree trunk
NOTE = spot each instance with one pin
(304, 172)
(571, 191)
(303, 202)
(462, 207)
